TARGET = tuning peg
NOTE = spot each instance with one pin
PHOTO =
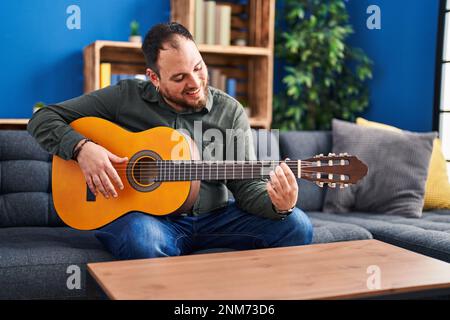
(319, 155)
(341, 186)
(331, 154)
(343, 154)
(332, 185)
(320, 184)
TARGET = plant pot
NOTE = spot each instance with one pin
(137, 39)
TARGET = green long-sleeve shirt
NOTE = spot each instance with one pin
(136, 106)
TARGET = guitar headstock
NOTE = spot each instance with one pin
(333, 170)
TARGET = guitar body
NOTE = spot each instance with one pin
(80, 209)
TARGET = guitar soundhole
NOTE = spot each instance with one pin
(145, 171)
(142, 171)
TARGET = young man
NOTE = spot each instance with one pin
(177, 95)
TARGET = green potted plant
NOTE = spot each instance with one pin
(325, 77)
(38, 105)
(135, 36)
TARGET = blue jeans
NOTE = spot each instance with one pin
(137, 235)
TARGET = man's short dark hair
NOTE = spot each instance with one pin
(159, 35)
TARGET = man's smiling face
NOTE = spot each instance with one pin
(183, 76)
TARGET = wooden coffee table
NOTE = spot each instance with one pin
(352, 269)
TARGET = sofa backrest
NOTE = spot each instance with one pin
(302, 145)
(25, 182)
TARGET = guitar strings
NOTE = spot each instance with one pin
(222, 175)
(224, 164)
(228, 171)
(251, 168)
(174, 170)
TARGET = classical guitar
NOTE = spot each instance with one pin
(163, 174)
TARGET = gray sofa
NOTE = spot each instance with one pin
(37, 251)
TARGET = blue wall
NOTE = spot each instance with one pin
(41, 59)
(404, 54)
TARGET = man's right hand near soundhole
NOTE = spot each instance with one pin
(96, 164)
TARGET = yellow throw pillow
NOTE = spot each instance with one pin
(437, 188)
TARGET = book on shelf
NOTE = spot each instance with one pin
(223, 25)
(199, 31)
(210, 15)
(219, 80)
(214, 77)
(212, 22)
(115, 78)
(105, 74)
(231, 87)
(222, 82)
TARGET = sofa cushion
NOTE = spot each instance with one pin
(302, 145)
(437, 187)
(328, 231)
(25, 182)
(429, 235)
(398, 168)
(34, 262)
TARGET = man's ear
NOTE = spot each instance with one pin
(153, 77)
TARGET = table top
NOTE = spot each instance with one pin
(340, 270)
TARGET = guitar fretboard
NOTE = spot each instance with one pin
(170, 170)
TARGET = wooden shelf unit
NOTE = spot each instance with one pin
(252, 65)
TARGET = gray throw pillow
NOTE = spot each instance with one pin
(398, 168)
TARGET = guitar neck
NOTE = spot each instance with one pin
(170, 170)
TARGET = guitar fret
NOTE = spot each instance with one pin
(233, 169)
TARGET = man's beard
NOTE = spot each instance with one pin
(198, 105)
